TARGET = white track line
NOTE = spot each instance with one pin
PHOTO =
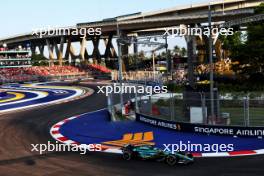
(78, 92)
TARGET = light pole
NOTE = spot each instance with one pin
(211, 61)
(119, 65)
(153, 65)
(167, 57)
(223, 7)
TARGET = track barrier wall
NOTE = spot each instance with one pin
(235, 131)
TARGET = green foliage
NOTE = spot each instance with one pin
(172, 87)
(248, 48)
(230, 42)
(244, 87)
(183, 52)
(179, 51)
(141, 55)
(39, 60)
(260, 9)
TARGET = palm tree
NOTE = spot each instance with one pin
(176, 50)
(183, 52)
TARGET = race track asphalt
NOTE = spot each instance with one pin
(19, 130)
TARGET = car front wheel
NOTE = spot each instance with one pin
(172, 160)
(127, 156)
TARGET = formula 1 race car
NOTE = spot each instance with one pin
(148, 152)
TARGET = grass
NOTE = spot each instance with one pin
(256, 116)
(236, 110)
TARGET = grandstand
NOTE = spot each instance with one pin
(16, 66)
(37, 72)
(17, 69)
(98, 71)
(97, 68)
(14, 58)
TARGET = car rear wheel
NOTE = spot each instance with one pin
(127, 156)
(189, 155)
(172, 160)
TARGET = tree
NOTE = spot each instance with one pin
(179, 51)
(176, 50)
(183, 52)
(141, 55)
(248, 48)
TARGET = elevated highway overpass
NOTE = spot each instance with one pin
(222, 11)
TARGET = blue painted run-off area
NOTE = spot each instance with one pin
(96, 127)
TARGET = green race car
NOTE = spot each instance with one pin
(148, 152)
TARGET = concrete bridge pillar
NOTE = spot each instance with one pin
(96, 55)
(124, 51)
(50, 50)
(192, 58)
(83, 48)
(59, 50)
(203, 50)
(135, 45)
(33, 49)
(41, 49)
(70, 51)
(135, 51)
(109, 50)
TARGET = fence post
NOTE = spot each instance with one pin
(203, 108)
(139, 97)
(218, 106)
(136, 101)
(150, 105)
(110, 106)
(171, 106)
(246, 111)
